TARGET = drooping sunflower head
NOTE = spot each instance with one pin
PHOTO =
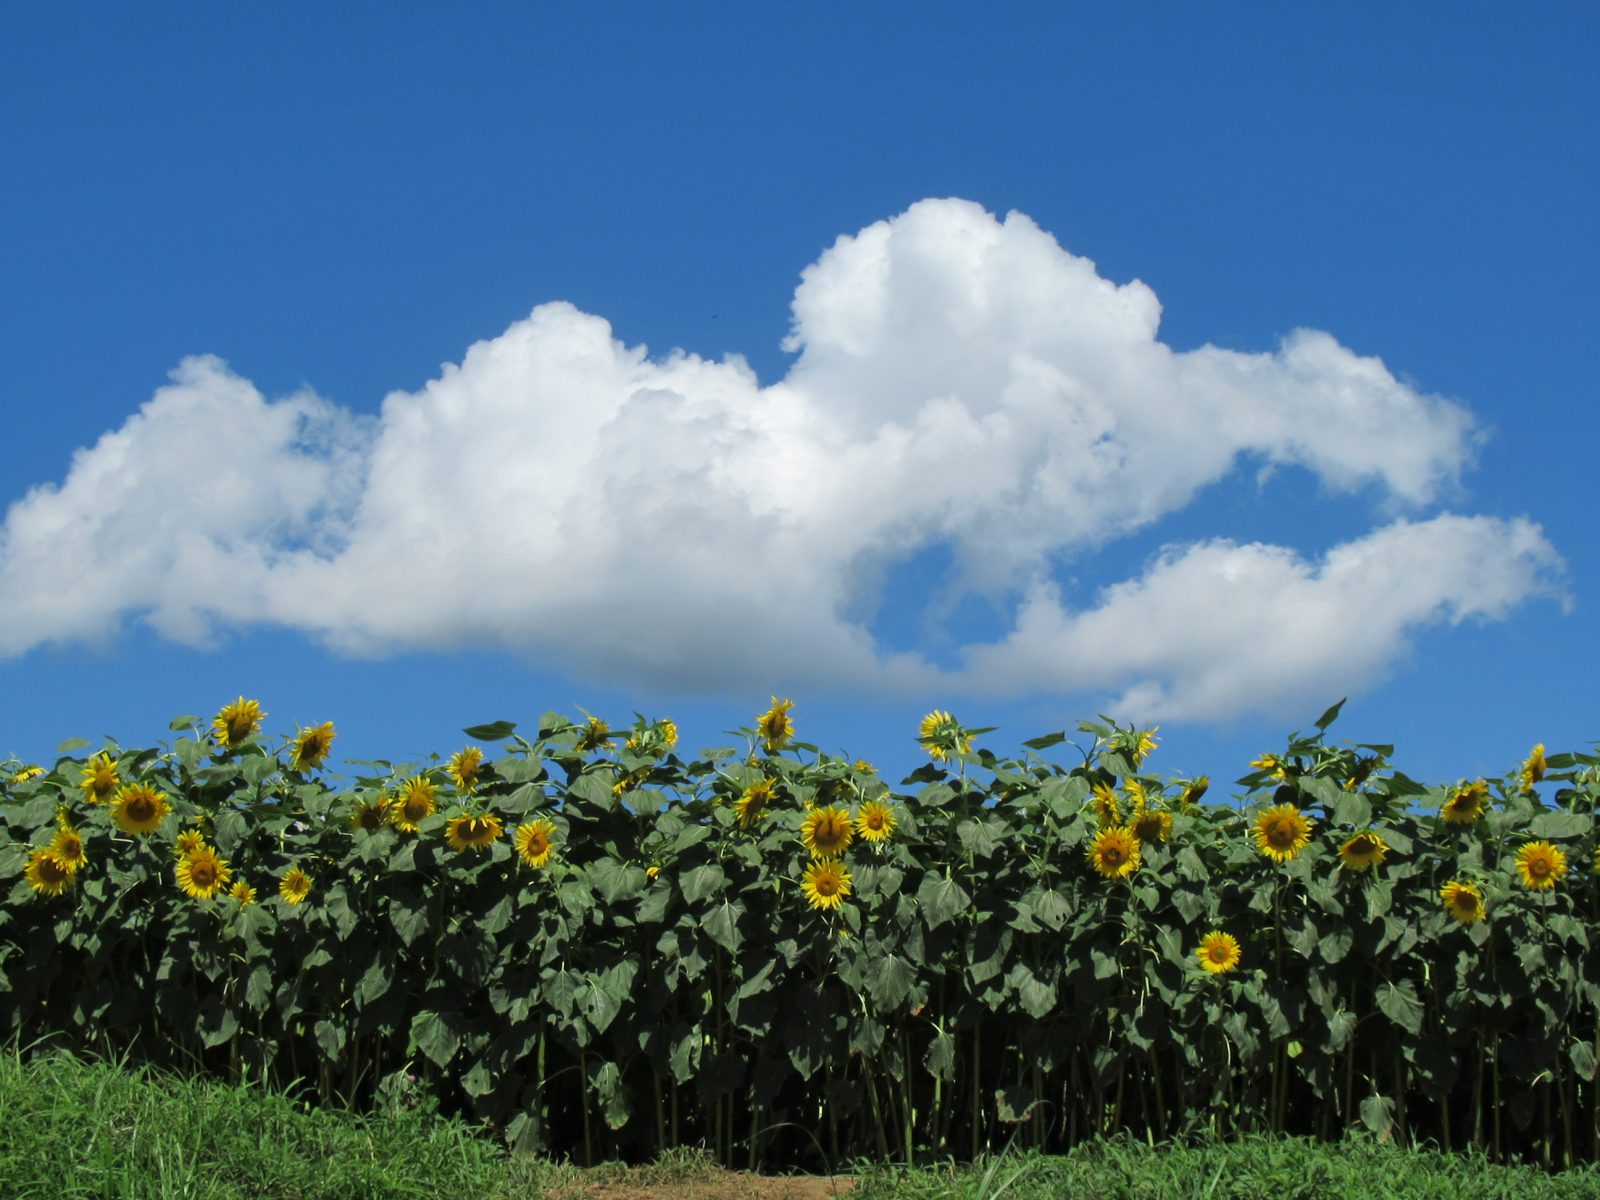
(465, 766)
(100, 779)
(774, 725)
(943, 737)
(875, 821)
(1192, 792)
(1152, 825)
(370, 813)
(1463, 901)
(203, 873)
(26, 774)
(295, 886)
(1114, 852)
(535, 841)
(68, 847)
(1466, 804)
(311, 746)
(243, 893)
(826, 832)
(1138, 744)
(1540, 865)
(473, 831)
(826, 883)
(236, 721)
(46, 873)
(1366, 849)
(1273, 765)
(1107, 811)
(755, 802)
(139, 808)
(1218, 952)
(1281, 832)
(1534, 767)
(596, 735)
(417, 801)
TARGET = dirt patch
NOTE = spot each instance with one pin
(645, 1184)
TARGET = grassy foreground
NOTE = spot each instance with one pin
(85, 1129)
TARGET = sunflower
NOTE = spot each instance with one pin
(68, 847)
(1143, 742)
(826, 883)
(473, 831)
(1273, 765)
(1282, 831)
(535, 841)
(1463, 901)
(864, 767)
(26, 774)
(202, 874)
(1534, 768)
(596, 735)
(464, 766)
(415, 804)
(875, 822)
(1466, 804)
(139, 808)
(295, 886)
(1360, 771)
(99, 778)
(1152, 825)
(311, 746)
(1540, 864)
(774, 725)
(1193, 791)
(370, 813)
(188, 842)
(1114, 852)
(1218, 952)
(236, 721)
(942, 737)
(753, 804)
(1106, 809)
(826, 832)
(669, 732)
(1364, 850)
(46, 873)
(243, 893)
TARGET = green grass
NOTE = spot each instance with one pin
(1254, 1168)
(73, 1128)
(86, 1129)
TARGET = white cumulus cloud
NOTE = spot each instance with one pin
(960, 381)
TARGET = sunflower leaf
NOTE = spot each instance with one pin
(494, 731)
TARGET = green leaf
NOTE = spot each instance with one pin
(71, 744)
(438, 1035)
(1336, 943)
(1398, 1002)
(893, 983)
(1340, 1028)
(1045, 742)
(1037, 997)
(1330, 716)
(1377, 1114)
(1558, 825)
(940, 1060)
(701, 882)
(979, 838)
(722, 924)
(492, 732)
(941, 899)
(616, 881)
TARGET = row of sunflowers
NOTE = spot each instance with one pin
(604, 947)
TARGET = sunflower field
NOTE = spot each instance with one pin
(601, 947)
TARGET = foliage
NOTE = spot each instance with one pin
(665, 977)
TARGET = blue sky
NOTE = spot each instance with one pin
(411, 369)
